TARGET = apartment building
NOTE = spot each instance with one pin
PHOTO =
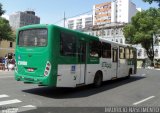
(102, 13)
(112, 32)
(80, 22)
(17, 20)
(116, 11)
(20, 19)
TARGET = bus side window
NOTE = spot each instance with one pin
(114, 55)
(106, 50)
(67, 44)
(131, 53)
(95, 49)
(127, 52)
(121, 53)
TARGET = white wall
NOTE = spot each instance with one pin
(94, 7)
(83, 17)
(113, 12)
(123, 10)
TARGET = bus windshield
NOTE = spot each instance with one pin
(33, 38)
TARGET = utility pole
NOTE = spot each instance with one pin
(64, 19)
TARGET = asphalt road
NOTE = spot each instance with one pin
(142, 89)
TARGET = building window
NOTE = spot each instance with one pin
(140, 52)
(116, 31)
(156, 53)
(112, 32)
(121, 31)
(121, 41)
(11, 44)
(108, 32)
(103, 33)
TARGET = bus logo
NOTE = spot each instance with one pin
(107, 65)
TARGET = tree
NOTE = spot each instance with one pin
(1, 10)
(143, 26)
(6, 32)
(151, 1)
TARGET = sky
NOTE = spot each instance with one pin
(51, 11)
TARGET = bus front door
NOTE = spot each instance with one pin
(82, 62)
(114, 62)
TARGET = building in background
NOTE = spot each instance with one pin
(80, 22)
(20, 19)
(116, 11)
(112, 32)
(108, 20)
(102, 13)
(6, 47)
(142, 58)
(17, 20)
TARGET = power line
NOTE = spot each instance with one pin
(62, 19)
(58, 21)
(81, 14)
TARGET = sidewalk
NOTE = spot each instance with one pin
(6, 71)
(151, 68)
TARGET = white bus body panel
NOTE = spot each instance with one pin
(65, 77)
(71, 77)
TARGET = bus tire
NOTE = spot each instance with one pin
(98, 79)
(129, 73)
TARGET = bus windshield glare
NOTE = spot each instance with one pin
(33, 38)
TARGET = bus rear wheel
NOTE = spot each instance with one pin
(98, 79)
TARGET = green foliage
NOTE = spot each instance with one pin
(5, 30)
(151, 1)
(1, 10)
(142, 28)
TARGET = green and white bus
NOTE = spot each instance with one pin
(50, 55)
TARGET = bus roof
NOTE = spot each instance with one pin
(51, 25)
(108, 41)
(90, 36)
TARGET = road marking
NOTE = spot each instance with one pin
(143, 75)
(29, 106)
(136, 103)
(2, 96)
(10, 102)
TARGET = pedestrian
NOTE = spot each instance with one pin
(6, 63)
(3, 63)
